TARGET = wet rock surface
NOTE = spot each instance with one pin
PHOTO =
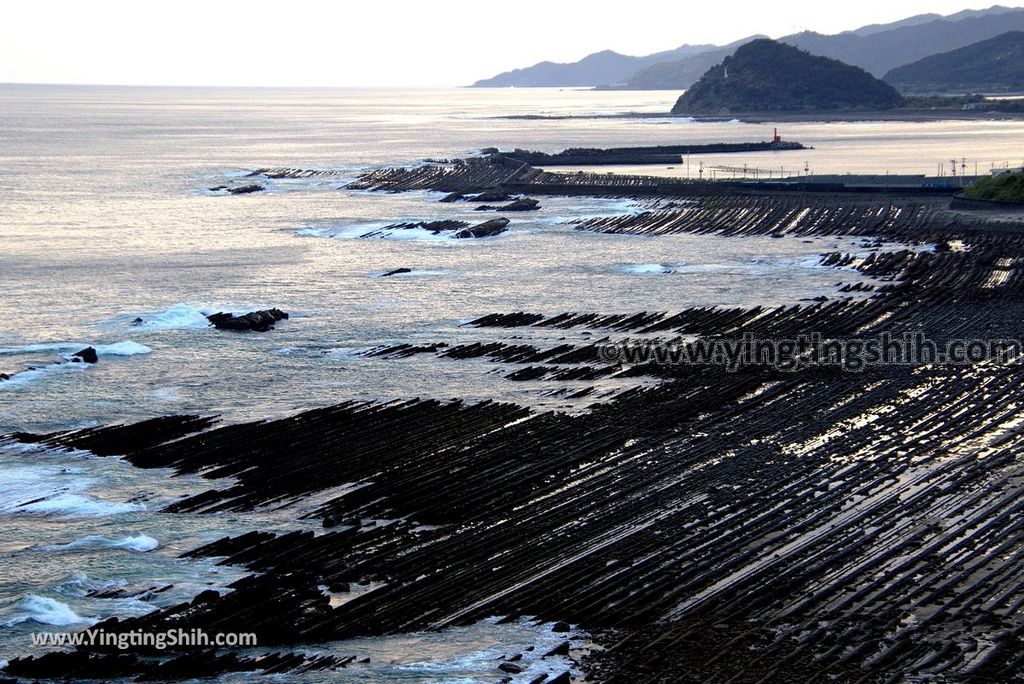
(87, 355)
(761, 524)
(254, 321)
(245, 189)
(495, 226)
(434, 227)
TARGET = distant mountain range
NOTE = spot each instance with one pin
(686, 70)
(877, 48)
(992, 65)
(596, 69)
(768, 76)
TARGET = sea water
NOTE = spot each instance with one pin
(106, 218)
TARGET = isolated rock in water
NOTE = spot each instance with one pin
(4, 376)
(486, 207)
(511, 668)
(561, 627)
(396, 272)
(138, 321)
(246, 189)
(453, 197)
(525, 204)
(258, 321)
(490, 228)
(88, 355)
(494, 195)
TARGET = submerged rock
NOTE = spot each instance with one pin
(490, 228)
(435, 227)
(524, 204)
(257, 321)
(493, 195)
(88, 355)
(246, 189)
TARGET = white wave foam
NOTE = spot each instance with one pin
(78, 505)
(178, 316)
(49, 346)
(375, 232)
(337, 232)
(67, 349)
(168, 394)
(647, 269)
(136, 542)
(29, 376)
(43, 490)
(124, 348)
(47, 611)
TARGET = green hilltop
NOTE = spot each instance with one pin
(767, 76)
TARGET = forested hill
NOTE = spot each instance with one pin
(765, 75)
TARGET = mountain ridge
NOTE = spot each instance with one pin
(992, 65)
(878, 48)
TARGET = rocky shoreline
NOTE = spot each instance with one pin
(759, 525)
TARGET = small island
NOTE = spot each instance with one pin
(768, 76)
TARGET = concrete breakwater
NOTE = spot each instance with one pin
(659, 154)
(754, 525)
(500, 171)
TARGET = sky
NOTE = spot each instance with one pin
(436, 43)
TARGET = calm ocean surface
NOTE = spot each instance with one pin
(105, 218)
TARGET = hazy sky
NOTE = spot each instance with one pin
(381, 42)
